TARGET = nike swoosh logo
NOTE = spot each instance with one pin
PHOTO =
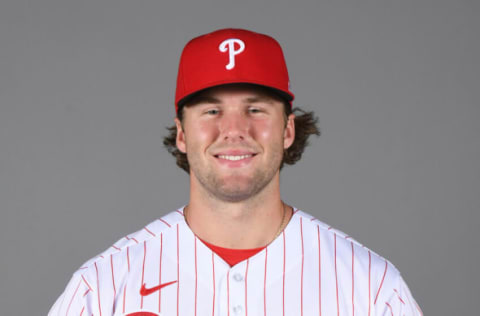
(144, 291)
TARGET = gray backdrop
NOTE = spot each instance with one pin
(87, 89)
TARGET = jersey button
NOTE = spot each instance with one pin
(238, 277)
(237, 309)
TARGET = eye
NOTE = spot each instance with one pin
(254, 110)
(212, 112)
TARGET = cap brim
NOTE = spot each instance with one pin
(280, 93)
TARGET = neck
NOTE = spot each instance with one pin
(246, 224)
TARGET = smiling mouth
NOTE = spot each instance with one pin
(234, 157)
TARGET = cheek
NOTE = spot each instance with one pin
(268, 132)
(200, 134)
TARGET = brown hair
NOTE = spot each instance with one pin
(305, 125)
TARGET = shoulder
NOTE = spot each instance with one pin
(132, 245)
(347, 258)
(342, 247)
(103, 273)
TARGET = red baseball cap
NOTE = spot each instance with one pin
(229, 56)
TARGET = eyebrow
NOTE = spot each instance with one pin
(260, 98)
(204, 99)
(213, 100)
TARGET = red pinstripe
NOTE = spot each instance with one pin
(381, 284)
(81, 312)
(132, 238)
(369, 272)
(143, 269)
(195, 275)
(336, 275)
(265, 285)
(86, 292)
(246, 275)
(71, 300)
(149, 231)
(179, 212)
(113, 283)
(124, 296)
(228, 293)
(128, 258)
(301, 282)
(160, 274)
(98, 291)
(88, 285)
(178, 270)
(213, 273)
(390, 307)
(416, 305)
(163, 221)
(418, 308)
(125, 288)
(353, 281)
(399, 297)
(284, 258)
(319, 274)
(115, 247)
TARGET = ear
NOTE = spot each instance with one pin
(181, 145)
(289, 132)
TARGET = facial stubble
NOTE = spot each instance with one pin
(237, 187)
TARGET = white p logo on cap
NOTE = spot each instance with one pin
(229, 45)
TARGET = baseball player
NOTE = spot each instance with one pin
(236, 248)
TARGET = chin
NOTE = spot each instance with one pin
(233, 196)
(236, 190)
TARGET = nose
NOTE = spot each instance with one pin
(234, 126)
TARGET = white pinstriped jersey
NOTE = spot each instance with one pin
(309, 269)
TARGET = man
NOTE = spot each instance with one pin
(236, 248)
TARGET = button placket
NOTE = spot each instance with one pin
(237, 290)
(237, 310)
(238, 277)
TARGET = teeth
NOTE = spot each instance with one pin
(234, 158)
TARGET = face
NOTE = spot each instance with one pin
(234, 137)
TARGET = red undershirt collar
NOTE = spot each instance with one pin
(233, 256)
